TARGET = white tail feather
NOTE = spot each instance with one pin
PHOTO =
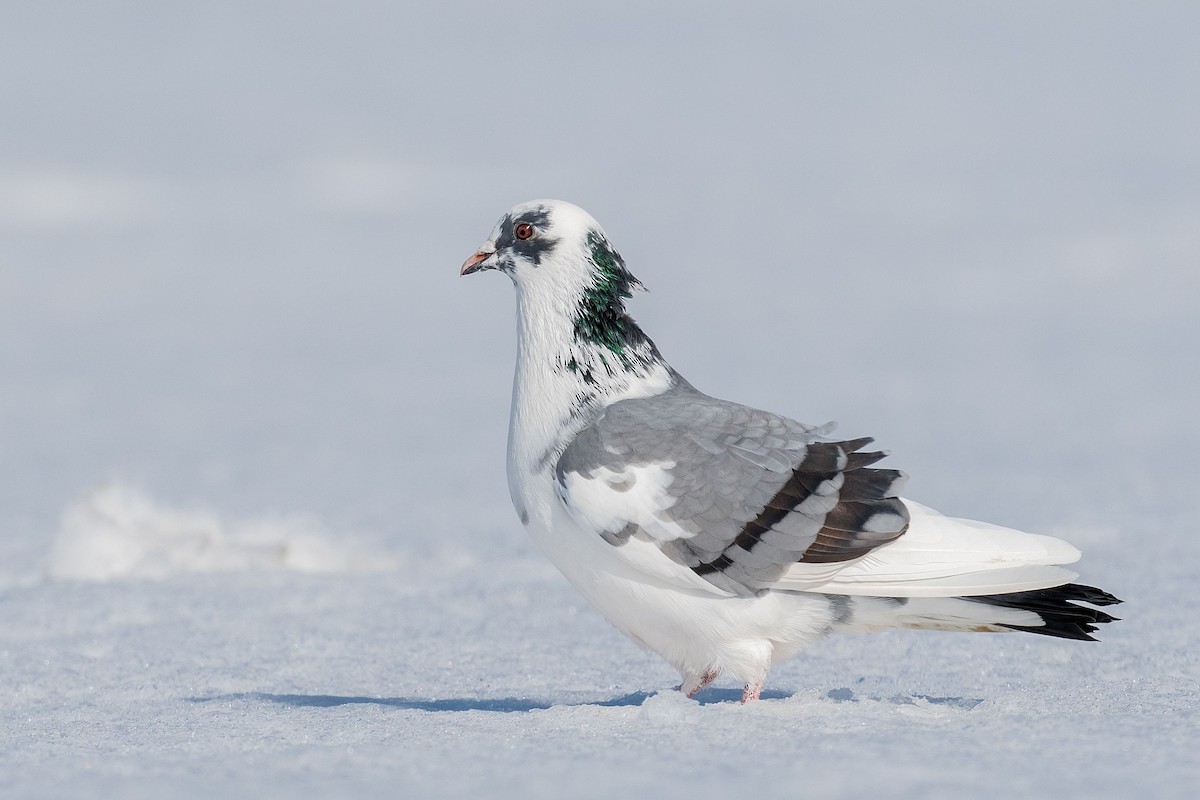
(869, 614)
(941, 556)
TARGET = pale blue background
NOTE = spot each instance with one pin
(230, 235)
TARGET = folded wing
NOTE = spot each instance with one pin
(739, 497)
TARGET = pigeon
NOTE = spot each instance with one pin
(721, 537)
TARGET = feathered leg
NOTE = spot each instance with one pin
(693, 684)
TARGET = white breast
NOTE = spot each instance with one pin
(664, 606)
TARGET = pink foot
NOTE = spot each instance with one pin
(752, 691)
(705, 679)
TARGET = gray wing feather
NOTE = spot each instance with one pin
(753, 493)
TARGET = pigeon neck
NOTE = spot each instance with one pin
(599, 345)
(599, 315)
(590, 342)
(574, 357)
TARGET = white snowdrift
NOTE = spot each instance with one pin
(115, 532)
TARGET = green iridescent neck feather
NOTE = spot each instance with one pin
(601, 319)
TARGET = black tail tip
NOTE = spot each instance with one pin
(1090, 594)
(1057, 608)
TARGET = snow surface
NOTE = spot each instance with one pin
(115, 532)
(481, 675)
(255, 539)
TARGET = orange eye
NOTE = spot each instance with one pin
(523, 231)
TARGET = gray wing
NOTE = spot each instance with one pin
(737, 495)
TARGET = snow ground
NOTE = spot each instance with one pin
(446, 674)
(255, 537)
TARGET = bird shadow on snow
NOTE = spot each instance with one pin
(500, 704)
(524, 704)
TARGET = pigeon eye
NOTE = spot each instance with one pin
(523, 231)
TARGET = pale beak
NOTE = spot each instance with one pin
(475, 262)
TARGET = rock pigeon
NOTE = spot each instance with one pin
(721, 537)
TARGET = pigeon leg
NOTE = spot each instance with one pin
(752, 691)
(695, 683)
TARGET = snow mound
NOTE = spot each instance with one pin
(115, 532)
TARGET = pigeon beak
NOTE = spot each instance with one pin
(476, 263)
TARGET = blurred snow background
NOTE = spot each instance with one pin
(254, 529)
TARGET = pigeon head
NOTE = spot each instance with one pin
(552, 241)
(565, 269)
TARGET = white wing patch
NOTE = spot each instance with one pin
(616, 503)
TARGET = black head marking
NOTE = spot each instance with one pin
(601, 319)
(534, 248)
